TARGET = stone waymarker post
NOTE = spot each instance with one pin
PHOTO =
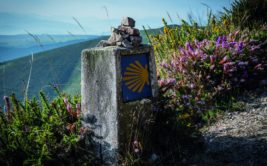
(118, 85)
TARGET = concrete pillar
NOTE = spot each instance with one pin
(118, 86)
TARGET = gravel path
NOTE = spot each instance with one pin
(238, 138)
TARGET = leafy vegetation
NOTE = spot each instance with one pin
(203, 68)
(247, 13)
(43, 133)
(202, 73)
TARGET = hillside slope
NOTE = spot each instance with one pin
(50, 67)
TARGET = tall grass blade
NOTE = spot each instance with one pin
(29, 79)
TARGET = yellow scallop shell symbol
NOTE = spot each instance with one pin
(136, 76)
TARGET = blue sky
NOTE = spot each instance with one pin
(96, 16)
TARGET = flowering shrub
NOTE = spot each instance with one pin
(203, 72)
(46, 133)
(172, 37)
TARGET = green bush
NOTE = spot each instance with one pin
(247, 13)
(42, 133)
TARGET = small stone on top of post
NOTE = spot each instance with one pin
(128, 21)
(124, 36)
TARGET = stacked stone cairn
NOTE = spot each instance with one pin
(124, 36)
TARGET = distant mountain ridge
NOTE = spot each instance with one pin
(15, 46)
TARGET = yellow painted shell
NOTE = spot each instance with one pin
(136, 76)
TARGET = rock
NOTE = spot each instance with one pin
(128, 21)
(125, 35)
(112, 39)
(136, 40)
(103, 43)
(114, 30)
(119, 43)
(118, 37)
(125, 43)
(129, 30)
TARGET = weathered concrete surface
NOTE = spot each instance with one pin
(99, 97)
(115, 123)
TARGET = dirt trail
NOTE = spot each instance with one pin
(238, 138)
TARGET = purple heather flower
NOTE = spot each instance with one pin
(162, 82)
(182, 59)
(212, 67)
(218, 40)
(245, 74)
(66, 100)
(196, 53)
(229, 67)
(226, 67)
(136, 150)
(78, 106)
(224, 38)
(69, 108)
(259, 67)
(241, 63)
(253, 48)
(240, 47)
(188, 46)
(254, 60)
(225, 58)
(233, 43)
(182, 51)
(135, 143)
(224, 44)
(212, 58)
(203, 56)
(185, 97)
(197, 43)
(219, 88)
(201, 102)
(171, 81)
(164, 64)
(78, 109)
(174, 63)
(187, 104)
(191, 86)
